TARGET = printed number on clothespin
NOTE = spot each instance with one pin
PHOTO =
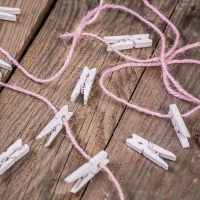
(84, 84)
(14, 153)
(5, 65)
(9, 14)
(128, 41)
(179, 126)
(55, 125)
(87, 171)
(151, 151)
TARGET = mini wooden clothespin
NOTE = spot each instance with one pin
(14, 153)
(179, 126)
(5, 65)
(87, 171)
(151, 151)
(84, 84)
(9, 14)
(55, 125)
(128, 41)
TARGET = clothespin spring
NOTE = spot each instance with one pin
(84, 84)
(3, 161)
(55, 128)
(6, 157)
(151, 147)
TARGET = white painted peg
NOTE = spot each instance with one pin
(128, 41)
(5, 65)
(151, 151)
(55, 125)
(9, 14)
(84, 84)
(179, 126)
(14, 153)
(87, 171)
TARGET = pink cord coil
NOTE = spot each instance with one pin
(163, 61)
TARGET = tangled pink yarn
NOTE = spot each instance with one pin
(164, 60)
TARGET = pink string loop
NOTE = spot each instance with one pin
(95, 16)
(164, 60)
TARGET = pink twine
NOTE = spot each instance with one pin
(68, 131)
(164, 60)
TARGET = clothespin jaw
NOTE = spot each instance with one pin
(141, 40)
(179, 126)
(128, 41)
(55, 125)
(9, 14)
(151, 151)
(87, 171)
(5, 65)
(14, 153)
(84, 84)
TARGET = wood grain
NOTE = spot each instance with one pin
(143, 179)
(16, 37)
(103, 123)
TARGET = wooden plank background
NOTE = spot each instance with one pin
(103, 123)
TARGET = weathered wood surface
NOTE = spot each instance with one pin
(17, 37)
(103, 124)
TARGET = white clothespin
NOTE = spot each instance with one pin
(87, 171)
(179, 126)
(55, 125)
(84, 84)
(151, 151)
(1, 76)
(128, 41)
(5, 65)
(9, 14)
(14, 153)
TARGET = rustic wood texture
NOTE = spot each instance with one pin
(17, 37)
(103, 123)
